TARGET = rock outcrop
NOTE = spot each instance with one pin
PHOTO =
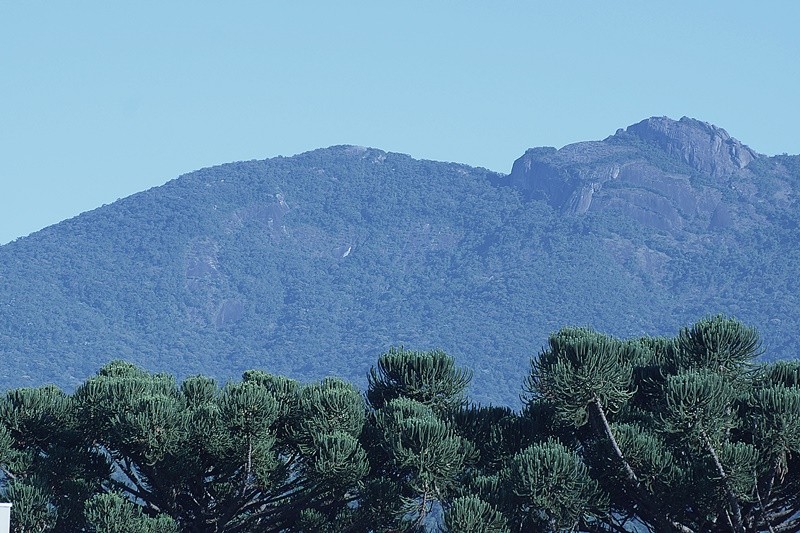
(705, 147)
(621, 173)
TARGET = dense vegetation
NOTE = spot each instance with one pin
(311, 265)
(661, 434)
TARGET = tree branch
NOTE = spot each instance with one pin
(651, 510)
(733, 502)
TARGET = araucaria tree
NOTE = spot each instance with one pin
(684, 434)
(257, 455)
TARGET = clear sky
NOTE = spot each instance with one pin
(99, 100)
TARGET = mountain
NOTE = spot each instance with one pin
(315, 264)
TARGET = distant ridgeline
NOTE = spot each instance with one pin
(312, 265)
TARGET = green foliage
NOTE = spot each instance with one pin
(470, 514)
(32, 510)
(786, 373)
(697, 403)
(774, 413)
(332, 405)
(112, 513)
(33, 415)
(643, 434)
(682, 434)
(339, 458)
(426, 454)
(581, 367)
(551, 487)
(496, 432)
(48, 468)
(227, 459)
(424, 446)
(740, 461)
(414, 396)
(719, 344)
(430, 378)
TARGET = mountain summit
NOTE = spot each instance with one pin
(703, 146)
(314, 264)
(665, 174)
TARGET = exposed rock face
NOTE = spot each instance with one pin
(703, 146)
(569, 177)
(621, 174)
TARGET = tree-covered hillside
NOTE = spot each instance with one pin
(312, 265)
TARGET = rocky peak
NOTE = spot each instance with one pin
(707, 148)
(623, 175)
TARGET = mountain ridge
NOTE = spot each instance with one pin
(316, 263)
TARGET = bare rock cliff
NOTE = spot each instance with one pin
(705, 147)
(663, 173)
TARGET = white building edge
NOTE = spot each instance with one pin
(5, 517)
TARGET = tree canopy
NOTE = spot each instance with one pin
(684, 434)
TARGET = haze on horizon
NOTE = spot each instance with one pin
(100, 101)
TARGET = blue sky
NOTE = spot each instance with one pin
(99, 100)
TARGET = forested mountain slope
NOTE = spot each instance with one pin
(314, 264)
